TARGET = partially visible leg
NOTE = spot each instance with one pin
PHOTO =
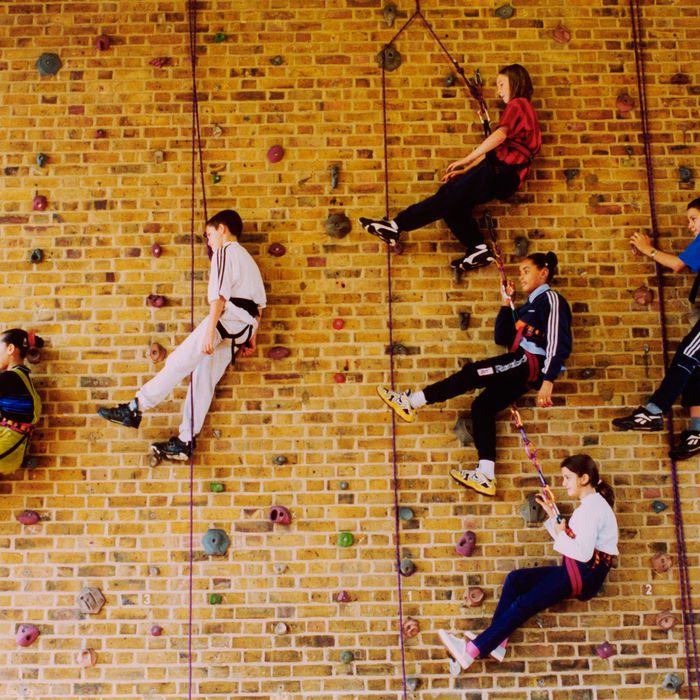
(688, 443)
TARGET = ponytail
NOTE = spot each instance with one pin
(584, 465)
(23, 340)
(546, 261)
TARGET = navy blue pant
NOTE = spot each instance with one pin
(455, 200)
(683, 375)
(504, 379)
(529, 591)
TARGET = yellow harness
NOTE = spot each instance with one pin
(12, 447)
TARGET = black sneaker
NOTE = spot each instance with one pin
(172, 449)
(640, 419)
(688, 445)
(476, 257)
(127, 414)
(388, 231)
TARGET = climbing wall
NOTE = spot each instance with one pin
(95, 257)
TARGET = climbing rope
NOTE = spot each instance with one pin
(684, 574)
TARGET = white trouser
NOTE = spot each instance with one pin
(206, 371)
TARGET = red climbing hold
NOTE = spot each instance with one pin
(100, 134)
(466, 544)
(624, 103)
(339, 378)
(160, 61)
(28, 517)
(156, 250)
(102, 42)
(605, 650)
(338, 324)
(39, 203)
(474, 596)
(156, 631)
(157, 352)
(275, 154)
(278, 352)
(561, 34)
(277, 250)
(281, 515)
(27, 634)
(155, 300)
(411, 628)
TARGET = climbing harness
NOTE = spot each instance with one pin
(688, 613)
(242, 337)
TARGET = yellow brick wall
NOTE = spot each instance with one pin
(110, 520)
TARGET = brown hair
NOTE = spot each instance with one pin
(230, 219)
(518, 80)
(583, 465)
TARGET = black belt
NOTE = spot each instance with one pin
(245, 334)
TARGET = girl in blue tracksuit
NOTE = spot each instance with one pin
(539, 338)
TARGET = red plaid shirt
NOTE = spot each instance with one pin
(524, 139)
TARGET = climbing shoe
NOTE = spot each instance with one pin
(127, 414)
(398, 402)
(457, 648)
(388, 231)
(499, 653)
(688, 445)
(640, 419)
(476, 257)
(474, 479)
(172, 449)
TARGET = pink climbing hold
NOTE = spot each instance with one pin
(466, 544)
(277, 250)
(275, 154)
(411, 628)
(40, 203)
(28, 517)
(86, 658)
(339, 378)
(160, 61)
(605, 650)
(561, 34)
(624, 103)
(342, 597)
(338, 324)
(155, 300)
(156, 631)
(280, 515)
(102, 42)
(474, 596)
(156, 250)
(157, 352)
(27, 634)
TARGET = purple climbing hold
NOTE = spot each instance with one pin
(160, 61)
(280, 514)
(27, 634)
(278, 352)
(466, 544)
(155, 300)
(100, 134)
(28, 517)
(605, 650)
(275, 154)
(277, 250)
(156, 250)
(342, 597)
(102, 42)
(39, 203)
(156, 631)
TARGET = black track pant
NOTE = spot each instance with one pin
(504, 378)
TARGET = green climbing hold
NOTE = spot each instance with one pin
(347, 657)
(345, 539)
(215, 599)
(216, 487)
(406, 513)
(215, 177)
(220, 37)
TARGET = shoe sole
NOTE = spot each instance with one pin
(470, 484)
(119, 422)
(464, 660)
(160, 454)
(396, 409)
(680, 456)
(495, 654)
(636, 428)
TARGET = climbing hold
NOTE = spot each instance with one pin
(571, 173)
(407, 567)
(280, 515)
(277, 60)
(342, 597)
(48, 64)
(455, 668)
(157, 352)
(643, 295)
(215, 599)
(685, 174)
(588, 373)
(338, 225)
(449, 80)
(464, 319)
(215, 178)
(153, 571)
(156, 250)
(28, 517)
(27, 634)
(561, 34)
(90, 600)
(160, 61)
(658, 506)
(158, 156)
(466, 544)
(215, 542)
(390, 11)
(412, 684)
(86, 658)
(532, 511)
(155, 300)
(410, 628)
(672, 682)
(100, 134)
(102, 42)
(275, 154)
(661, 562)
(346, 657)
(463, 429)
(680, 79)
(339, 378)
(624, 103)
(605, 650)
(217, 131)
(36, 256)
(278, 352)
(39, 203)
(41, 159)
(220, 37)
(388, 58)
(666, 620)
(522, 245)
(156, 631)
(335, 176)
(406, 513)
(280, 460)
(279, 567)
(399, 349)
(277, 250)
(397, 248)
(216, 487)
(474, 596)
(344, 485)
(504, 11)
(338, 324)
(281, 628)
(345, 539)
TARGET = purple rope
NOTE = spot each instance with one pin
(684, 575)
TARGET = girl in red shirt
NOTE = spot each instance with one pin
(495, 169)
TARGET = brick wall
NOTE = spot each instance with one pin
(110, 520)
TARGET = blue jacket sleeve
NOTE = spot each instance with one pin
(558, 335)
(504, 331)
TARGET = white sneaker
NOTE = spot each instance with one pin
(499, 653)
(398, 402)
(457, 648)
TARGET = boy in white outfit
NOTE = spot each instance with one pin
(236, 296)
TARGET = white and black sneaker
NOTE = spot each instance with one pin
(387, 230)
(688, 446)
(640, 419)
(476, 257)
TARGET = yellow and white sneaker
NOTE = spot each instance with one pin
(398, 402)
(473, 479)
